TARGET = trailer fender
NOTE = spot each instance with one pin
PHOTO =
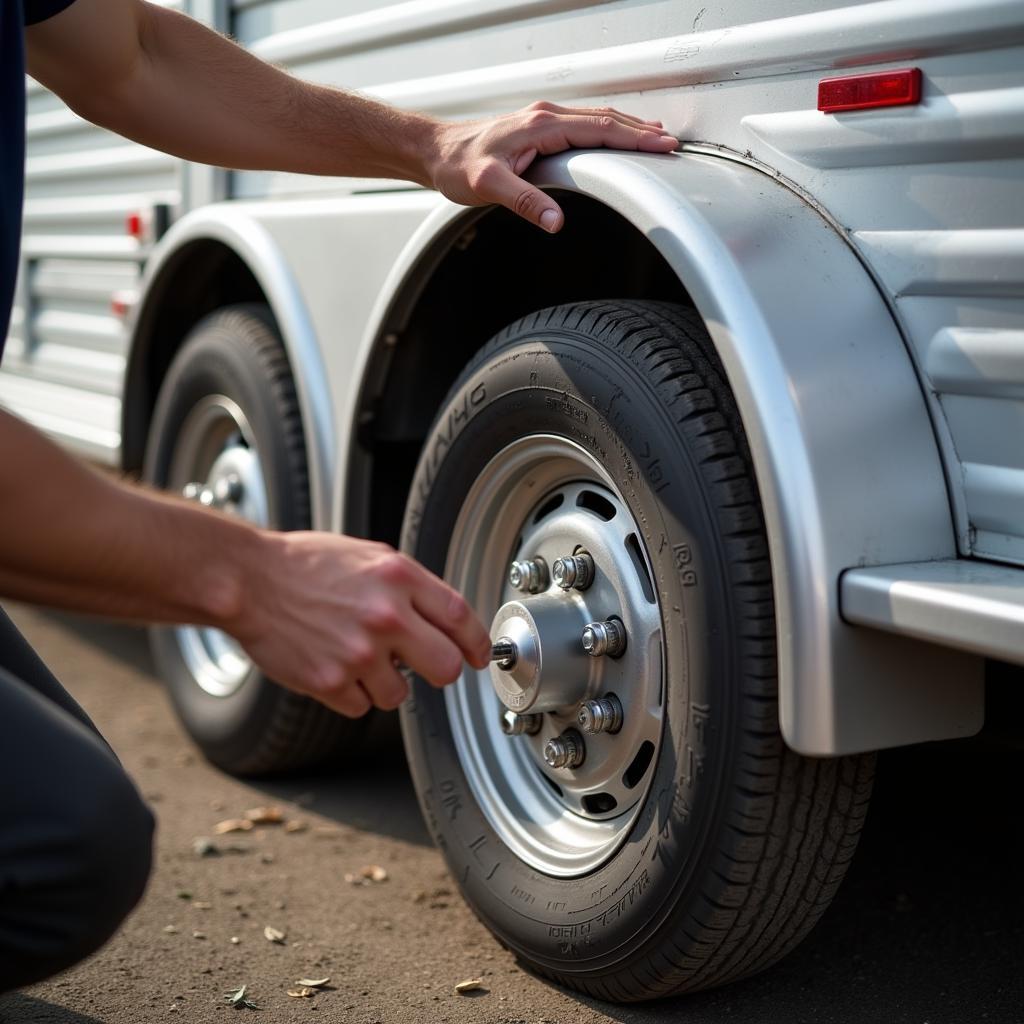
(844, 451)
(230, 226)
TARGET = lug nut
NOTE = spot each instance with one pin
(601, 715)
(529, 575)
(608, 637)
(565, 751)
(504, 652)
(228, 489)
(519, 725)
(191, 491)
(573, 571)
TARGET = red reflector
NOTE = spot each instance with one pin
(134, 225)
(862, 92)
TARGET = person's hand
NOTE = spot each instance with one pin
(332, 617)
(480, 162)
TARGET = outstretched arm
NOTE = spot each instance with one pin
(323, 614)
(165, 80)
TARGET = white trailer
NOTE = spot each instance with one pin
(739, 479)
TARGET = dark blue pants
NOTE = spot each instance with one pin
(75, 837)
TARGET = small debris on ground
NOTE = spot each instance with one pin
(304, 992)
(312, 982)
(170, 929)
(204, 846)
(366, 875)
(236, 997)
(265, 815)
(470, 985)
(235, 940)
(199, 935)
(295, 826)
(232, 825)
(274, 935)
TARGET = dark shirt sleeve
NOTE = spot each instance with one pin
(40, 10)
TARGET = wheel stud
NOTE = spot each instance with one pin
(573, 571)
(518, 725)
(565, 751)
(529, 575)
(504, 653)
(601, 715)
(608, 637)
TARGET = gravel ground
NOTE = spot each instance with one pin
(928, 928)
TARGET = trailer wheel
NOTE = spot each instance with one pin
(614, 797)
(226, 431)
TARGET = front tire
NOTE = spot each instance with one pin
(227, 430)
(610, 421)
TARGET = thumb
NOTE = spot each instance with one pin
(526, 201)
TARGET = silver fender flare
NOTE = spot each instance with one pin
(843, 448)
(229, 224)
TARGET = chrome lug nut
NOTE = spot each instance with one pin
(565, 751)
(608, 637)
(601, 715)
(504, 652)
(530, 575)
(519, 725)
(573, 571)
(228, 489)
(191, 491)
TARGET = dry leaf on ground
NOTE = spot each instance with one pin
(305, 992)
(273, 935)
(265, 815)
(236, 997)
(295, 826)
(312, 982)
(470, 985)
(232, 825)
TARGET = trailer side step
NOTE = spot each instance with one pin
(973, 606)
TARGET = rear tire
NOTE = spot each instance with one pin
(232, 369)
(737, 844)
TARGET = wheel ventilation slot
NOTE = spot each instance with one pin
(599, 803)
(640, 563)
(548, 507)
(639, 765)
(594, 502)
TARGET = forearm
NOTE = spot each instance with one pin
(72, 538)
(193, 93)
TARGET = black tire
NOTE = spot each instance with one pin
(741, 843)
(260, 728)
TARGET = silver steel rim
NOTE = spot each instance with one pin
(537, 498)
(215, 462)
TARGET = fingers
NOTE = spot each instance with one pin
(386, 686)
(350, 700)
(591, 131)
(430, 653)
(448, 611)
(554, 108)
(498, 184)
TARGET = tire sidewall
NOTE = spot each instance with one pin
(564, 383)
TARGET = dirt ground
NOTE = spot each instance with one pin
(928, 928)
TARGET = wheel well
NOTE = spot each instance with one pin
(200, 277)
(475, 281)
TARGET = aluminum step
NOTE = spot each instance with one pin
(973, 606)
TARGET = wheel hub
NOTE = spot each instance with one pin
(550, 670)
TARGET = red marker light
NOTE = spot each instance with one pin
(864, 92)
(135, 225)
